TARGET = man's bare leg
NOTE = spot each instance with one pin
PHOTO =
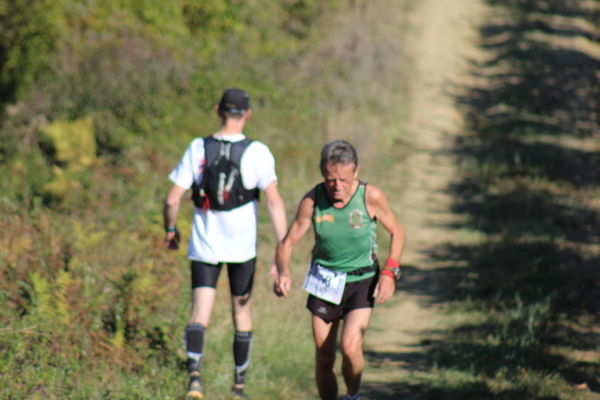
(353, 362)
(325, 335)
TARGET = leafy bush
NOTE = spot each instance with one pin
(29, 31)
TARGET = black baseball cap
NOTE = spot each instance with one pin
(235, 101)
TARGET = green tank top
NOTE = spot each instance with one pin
(345, 238)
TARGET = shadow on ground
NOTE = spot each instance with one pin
(531, 166)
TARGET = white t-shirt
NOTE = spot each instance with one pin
(226, 236)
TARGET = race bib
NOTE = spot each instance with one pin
(325, 283)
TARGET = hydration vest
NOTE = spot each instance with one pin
(221, 187)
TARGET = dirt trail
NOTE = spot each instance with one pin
(441, 40)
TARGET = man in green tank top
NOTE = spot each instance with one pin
(344, 280)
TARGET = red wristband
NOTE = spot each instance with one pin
(388, 273)
(391, 263)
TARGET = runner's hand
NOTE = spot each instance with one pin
(172, 240)
(282, 284)
(385, 288)
(275, 275)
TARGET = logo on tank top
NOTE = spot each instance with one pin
(324, 218)
(355, 219)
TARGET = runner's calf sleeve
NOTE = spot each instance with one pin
(194, 345)
(242, 345)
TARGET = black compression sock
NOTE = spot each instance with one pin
(242, 345)
(194, 345)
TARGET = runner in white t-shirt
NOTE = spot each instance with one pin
(224, 237)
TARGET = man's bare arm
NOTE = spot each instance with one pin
(170, 210)
(300, 225)
(379, 208)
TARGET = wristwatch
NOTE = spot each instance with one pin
(392, 268)
(395, 271)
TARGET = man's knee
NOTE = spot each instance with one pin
(351, 347)
(241, 301)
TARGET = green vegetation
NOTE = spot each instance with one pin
(99, 99)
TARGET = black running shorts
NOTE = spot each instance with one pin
(241, 276)
(356, 295)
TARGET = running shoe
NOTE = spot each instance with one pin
(194, 389)
(238, 392)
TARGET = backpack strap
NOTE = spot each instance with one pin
(236, 152)
(211, 152)
(214, 149)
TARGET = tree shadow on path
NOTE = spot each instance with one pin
(531, 165)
